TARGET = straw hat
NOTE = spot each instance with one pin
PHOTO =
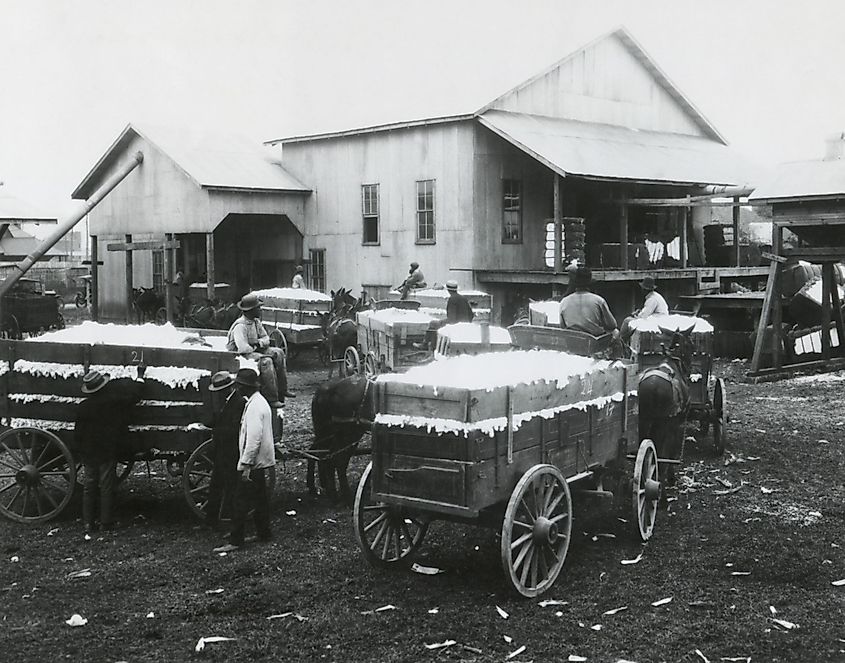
(451, 284)
(249, 302)
(221, 380)
(93, 381)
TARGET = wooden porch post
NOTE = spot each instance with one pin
(737, 254)
(558, 214)
(685, 213)
(827, 284)
(209, 265)
(129, 269)
(777, 311)
(95, 286)
(168, 277)
(623, 232)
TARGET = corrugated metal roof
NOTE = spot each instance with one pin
(803, 179)
(607, 151)
(212, 159)
(15, 209)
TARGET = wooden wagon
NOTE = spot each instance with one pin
(39, 391)
(299, 316)
(709, 410)
(389, 339)
(433, 302)
(508, 457)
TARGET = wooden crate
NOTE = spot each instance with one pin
(40, 382)
(321, 306)
(474, 405)
(279, 316)
(462, 475)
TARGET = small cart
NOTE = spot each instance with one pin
(299, 316)
(508, 458)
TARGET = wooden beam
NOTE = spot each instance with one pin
(558, 221)
(623, 233)
(151, 245)
(95, 284)
(209, 265)
(737, 252)
(757, 356)
(777, 316)
(168, 277)
(827, 282)
(128, 275)
(816, 366)
(683, 217)
(836, 305)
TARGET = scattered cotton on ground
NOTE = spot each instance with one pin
(467, 332)
(673, 322)
(489, 371)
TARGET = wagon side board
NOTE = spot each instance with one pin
(460, 476)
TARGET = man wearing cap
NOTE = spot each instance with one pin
(249, 339)
(228, 407)
(415, 279)
(102, 422)
(298, 282)
(458, 308)
(584, 310)
(654, 304)
(255, 444)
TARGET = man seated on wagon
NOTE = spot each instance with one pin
(586, 311)
(653, 304)
(249, 339)
(415, 279)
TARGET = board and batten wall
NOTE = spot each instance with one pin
(336, 168)
(580, 88)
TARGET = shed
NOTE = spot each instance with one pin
(236, 214)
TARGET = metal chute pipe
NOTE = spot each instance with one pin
(65, 225)
(727, 191)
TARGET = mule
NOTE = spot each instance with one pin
(663, 398)
(341, 412)
(146, 302)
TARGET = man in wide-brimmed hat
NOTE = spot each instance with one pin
(227, 410)
(102, 421)
(248, 338)
(415, 279)
(458, 308)
(654, 304)
(583, 310)
(255, 444)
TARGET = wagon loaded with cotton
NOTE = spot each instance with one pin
(503, 440)
(709, 410)
(298, 314)
(40, 382)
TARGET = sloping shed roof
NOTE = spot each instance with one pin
(213, 160)
(804, 180)
(604, 151)
(13, 209)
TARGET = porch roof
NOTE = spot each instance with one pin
(13, 209)
(609, 152)
(803, 180)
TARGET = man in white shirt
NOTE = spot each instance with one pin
(249, 339)
(654, 304)
(255, 443)
(298, 282)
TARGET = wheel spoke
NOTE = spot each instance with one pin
(561, 516)
(388, 539)
(527, 567)
(384, 525)
(543, 565)
(534, 563)
(398, 544)
(50, 498)
(25, 501)
(37, 461)
(15, 468)
(7, 487)
(379, 519)
(8, 475)
(13, 453)
(522, 524)
(520, 558)
(14, 498)
(375, 507)
(407, 534)
(525, 506)
(555, 502)
(520, 540)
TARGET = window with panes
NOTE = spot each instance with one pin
(512, 211)
(317, 269)
(370, 212)
(425, 212)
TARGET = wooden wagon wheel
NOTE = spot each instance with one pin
(536, 530)
(351, 361)
(37, 475)
(278, 340)
(720, 416)
(371, 367)
(388, 535)
(646, 490)
(196, 478)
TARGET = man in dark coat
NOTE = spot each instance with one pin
(102, 423)
(228, 407)
(457, 308)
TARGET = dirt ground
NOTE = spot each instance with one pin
(731, 563)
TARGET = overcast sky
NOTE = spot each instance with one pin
(767, 74)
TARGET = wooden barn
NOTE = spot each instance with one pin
(600, 158)
(222, 204)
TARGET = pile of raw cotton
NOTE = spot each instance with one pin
(147, 336)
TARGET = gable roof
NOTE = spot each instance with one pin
(620, 33)
(638, 52)
(604, 151)
(212, 160)
(803, 180)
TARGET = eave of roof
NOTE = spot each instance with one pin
(13, 209)
(392, 126)
(803, 181)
